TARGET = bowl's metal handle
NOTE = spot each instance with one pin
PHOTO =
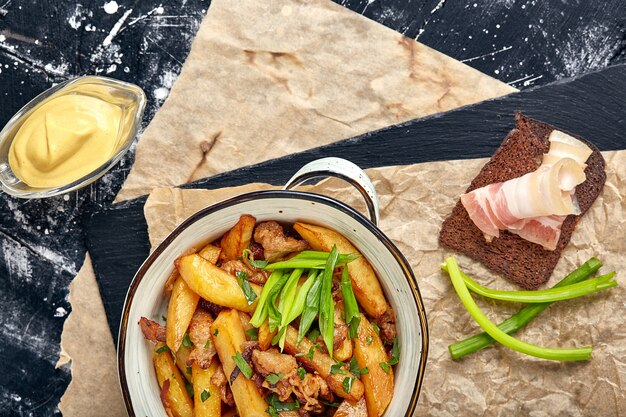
(344, 169)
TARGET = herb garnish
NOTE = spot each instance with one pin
(274, 378)
(385, 366)
(347, 383)
(205, 395)
(337, 368)
(186, 340)
(162, 349)
(248, 292)
(301, 373)
(252, 333)
(242, 365)
(353, 318)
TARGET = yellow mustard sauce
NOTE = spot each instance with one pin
(64, 139)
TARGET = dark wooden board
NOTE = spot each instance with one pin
(591, 106)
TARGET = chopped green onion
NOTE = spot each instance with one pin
(385, 366)
(311, 260)
(248, 292)
(162, 349)
(260, 314)
(205, 395)
(542, 296)
(369, 339)
(376, 328)
(300, 301)
(327, 304)
(301, 373)
(347, 383)
(287, 300)
(242, 365)
(294, 309)
(353, 318)
(274, 378)
(522, 317)
(208, 343)
(329, 404)
(395, 352)
(253, 333)
(313, 334)
(216, 332)
(562, 354)
(311, 308)
(186, 340)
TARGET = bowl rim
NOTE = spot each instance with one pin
(256, 195)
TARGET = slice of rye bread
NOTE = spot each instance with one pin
(527, 264)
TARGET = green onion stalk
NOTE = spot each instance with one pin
(560, 354)
(523, 317)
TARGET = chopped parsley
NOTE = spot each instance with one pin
(247, 255)
(277, 405)
(205, 395)
(369, 340)
(354, 368)
(274, 378)
(252, 333)
(162, 349)
(337, 368)
(310, 353)
(301, 373)
(216, 332)
(164, 318)
(242, 365)
(208, 343)
(188, 369)
(376, 328)
(395, 352)
(385, 366)
(248, 292)
(186, 340)
(347, 383)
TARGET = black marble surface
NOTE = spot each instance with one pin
(524, 43)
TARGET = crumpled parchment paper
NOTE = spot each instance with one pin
(496, 381)
(327, 73)
(264, 79)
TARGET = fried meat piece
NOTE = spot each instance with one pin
(256, 276)
(275, 244)
(200, 335)
(219, 380)
(152, 330)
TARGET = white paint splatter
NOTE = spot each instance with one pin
(17, 260)
(587, 49)
(161, 93)
(75, 20)
(438, 6)
(60, 312)
(3, 38)
(90, 28)
(60, 70)
(111, 7)
(111, 69)
(116, 28)
(15, 397)
(506, 48)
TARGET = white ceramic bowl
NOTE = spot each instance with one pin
(145, 295)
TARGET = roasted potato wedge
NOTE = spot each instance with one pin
(321, 362)
(211, 253)
(365, 284)
(181, 362)
(175, 398)
(265, 335)
(370, 352)
(214, 284)
(228, 335)
(348, 409)
(238, 238)
(183, 303)
(207, 402)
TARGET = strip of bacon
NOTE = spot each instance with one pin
(534, 205)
